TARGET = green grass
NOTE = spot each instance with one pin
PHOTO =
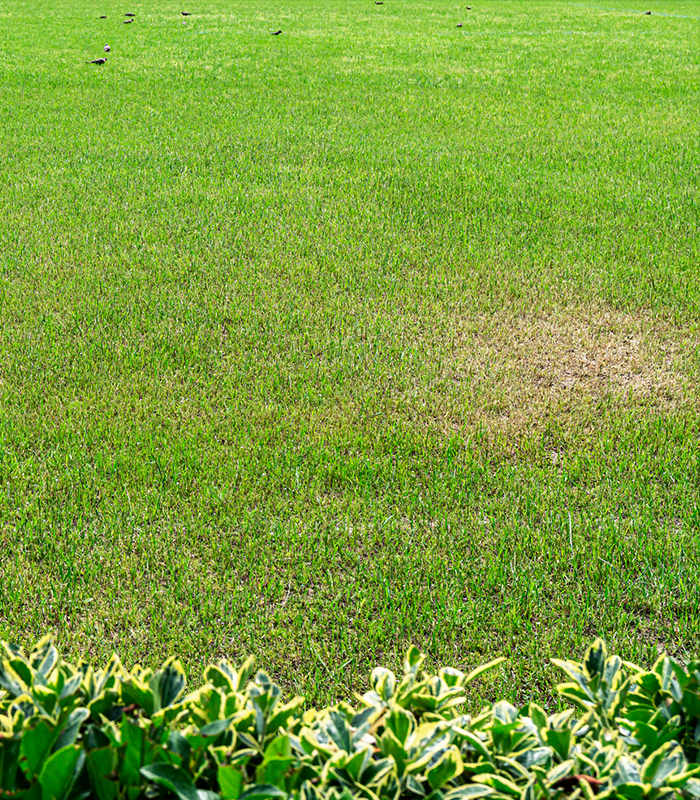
(276, 325)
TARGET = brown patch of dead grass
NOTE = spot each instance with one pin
(511, 371)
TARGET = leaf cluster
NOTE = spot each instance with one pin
(74, 732)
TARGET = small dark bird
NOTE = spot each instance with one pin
(97, 61)
(276, 33)
(127, 21)
(460, 24)
(647, 12)
(104, 16)
(107, 48)
(129, 15)
(469, 8)
(378, 2)
(186, 14)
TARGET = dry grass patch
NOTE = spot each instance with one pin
(512, 371)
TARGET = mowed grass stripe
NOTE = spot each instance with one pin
(377, 331)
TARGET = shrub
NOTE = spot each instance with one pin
(76, 732)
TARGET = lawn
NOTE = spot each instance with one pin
(379, 331)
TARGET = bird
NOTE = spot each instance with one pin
(127, 21)
(378, 2)
(129, 15)
(97, 61)
(460, 24)
(186, 14)
(107, 48)
(647, 12)
(276, 33)
(104, 16)
(469, 8)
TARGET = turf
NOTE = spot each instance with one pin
(378, 331)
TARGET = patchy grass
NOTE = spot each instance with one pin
(378, 331)
(514, 371)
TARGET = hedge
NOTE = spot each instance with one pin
(69, 732)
